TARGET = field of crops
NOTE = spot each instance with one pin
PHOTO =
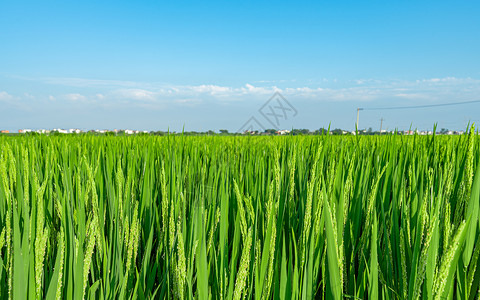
(174, 217)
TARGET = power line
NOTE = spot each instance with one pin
(421, 106)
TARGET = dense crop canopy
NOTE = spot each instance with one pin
(390, 217)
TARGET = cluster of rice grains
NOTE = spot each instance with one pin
(174, 217)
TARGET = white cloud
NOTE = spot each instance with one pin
(14, 101)
(114, 92)
(75, 97)
(250, 89)
(436, 89)
(29, 96)
(83, 82)
(445, 79)
(4, 96)
(412, 96)
(211, 89)
(188, 101)
(136, 94)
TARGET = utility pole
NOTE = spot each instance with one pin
(358, 113)
(381, 123)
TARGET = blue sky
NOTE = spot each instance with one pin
(151, 66)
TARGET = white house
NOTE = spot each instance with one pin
(282, 132)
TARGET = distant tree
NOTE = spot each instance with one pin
(444, 130)
(337, 131)
(270, 131)
(300, 131)
(320, 131)
(223, 131)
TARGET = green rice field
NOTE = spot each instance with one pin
(210, 217)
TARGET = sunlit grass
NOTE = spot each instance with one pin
(175, 217)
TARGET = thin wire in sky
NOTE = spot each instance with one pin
(421, 106)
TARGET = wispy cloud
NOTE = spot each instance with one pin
(75, 97)
(115, 92)
(135, 94)
(14, 101)
(4, 96)
(80, 82)
(87, 101)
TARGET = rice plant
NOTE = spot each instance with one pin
(176, 217)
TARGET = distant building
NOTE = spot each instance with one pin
(282, 132)
(59, 130)
(74, 131)
(42, 131)
(4, 131)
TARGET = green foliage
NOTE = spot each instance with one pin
(223, 217)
